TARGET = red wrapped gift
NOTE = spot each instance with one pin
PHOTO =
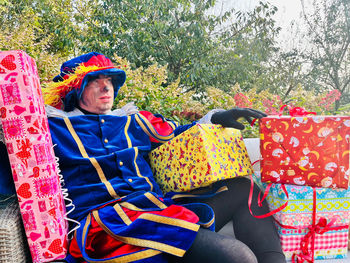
(305, 150)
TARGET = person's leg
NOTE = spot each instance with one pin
(260, 235)
(209, 247)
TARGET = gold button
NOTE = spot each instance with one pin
(103, 121)
(130, 180)
(106, 140)
(121, 163)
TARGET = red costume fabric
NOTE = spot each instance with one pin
(102, 245)
(162, 126)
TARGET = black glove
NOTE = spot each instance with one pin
(229, 118)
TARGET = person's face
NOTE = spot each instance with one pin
(98, 95)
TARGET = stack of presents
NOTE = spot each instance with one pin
(306, 158)
(304, 170)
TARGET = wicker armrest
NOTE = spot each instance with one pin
(13, 242)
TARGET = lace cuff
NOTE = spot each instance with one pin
(128, 109)
(207, 118)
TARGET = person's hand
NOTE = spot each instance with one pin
(229, 118)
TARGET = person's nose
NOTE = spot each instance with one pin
(105, 87)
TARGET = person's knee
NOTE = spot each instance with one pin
(237, 251)
(211, 247)
(243, 185)
(238, 182)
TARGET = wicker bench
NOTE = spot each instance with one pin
(13, 244)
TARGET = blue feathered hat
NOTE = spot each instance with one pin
(67, 87)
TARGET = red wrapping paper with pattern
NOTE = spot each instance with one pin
(32, 160)
(307, 150)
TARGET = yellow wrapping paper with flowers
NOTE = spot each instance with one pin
(198, 157)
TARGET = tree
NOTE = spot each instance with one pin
(246, 53)
(41, 29)
(329, 53)
(200, 48)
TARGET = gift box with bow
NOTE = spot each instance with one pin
(200, 156)
(32, 160)
(315, 222)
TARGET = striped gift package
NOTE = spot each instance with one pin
(314, 224)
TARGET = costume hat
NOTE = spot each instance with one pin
(67, 87)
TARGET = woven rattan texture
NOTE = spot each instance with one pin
(13, 243)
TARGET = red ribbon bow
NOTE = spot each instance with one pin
(293, 111)
(296, 111)
(321, 227)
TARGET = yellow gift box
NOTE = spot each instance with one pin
(198, 157)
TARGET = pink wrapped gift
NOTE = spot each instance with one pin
(31, 155)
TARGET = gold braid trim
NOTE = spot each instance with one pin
(122, 259)
(93, 161)
(140, 242)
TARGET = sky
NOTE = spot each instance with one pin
(289, 12)
(287, 9)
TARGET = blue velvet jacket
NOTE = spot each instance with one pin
(102, 157)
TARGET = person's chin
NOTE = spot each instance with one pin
(106, 108)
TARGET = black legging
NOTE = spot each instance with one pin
(257, 239)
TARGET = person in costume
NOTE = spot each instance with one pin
(122, 213)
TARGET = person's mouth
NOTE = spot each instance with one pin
(105, 98)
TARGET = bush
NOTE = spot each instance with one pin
(149, 90)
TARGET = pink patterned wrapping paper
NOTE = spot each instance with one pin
(31, 155)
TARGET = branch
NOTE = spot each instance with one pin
(86, 18)
(344, 50)
(238, 31)
(347, 82)
(306, 19)
(288, 91)
(159, 35)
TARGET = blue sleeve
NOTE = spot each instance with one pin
(7, 186)
(180, 129)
